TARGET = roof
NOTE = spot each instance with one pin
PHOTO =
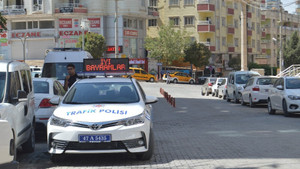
(103, 79)
(13, 65)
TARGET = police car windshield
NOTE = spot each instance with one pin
(59, 70)
(2, 84)
(102, 92)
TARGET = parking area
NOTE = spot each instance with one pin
(201, 132)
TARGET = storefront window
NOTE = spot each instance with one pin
(33, 25)
(133, 48)
(46, 24)
(18, 25)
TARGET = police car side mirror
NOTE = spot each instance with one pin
(55, 100)
(151, 99)
(21, 96)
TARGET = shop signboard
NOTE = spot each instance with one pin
(133, 33)
(66, 9)
(137, 61)
(112, 49)
(65, 23)
(94, 22)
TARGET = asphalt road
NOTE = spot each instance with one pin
(201, 132)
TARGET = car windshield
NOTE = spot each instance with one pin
(41, 87)
(293, 83)
(243, 78)
(213, 80)
(2, 84)
(59, 70)
(104, 92)
(266, 81)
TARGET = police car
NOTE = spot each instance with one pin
(102, 115)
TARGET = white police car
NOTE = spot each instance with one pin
(102, 115)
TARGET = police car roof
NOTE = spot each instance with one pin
(103, 79)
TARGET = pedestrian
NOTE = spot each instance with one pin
(168, 78)
(71, 78)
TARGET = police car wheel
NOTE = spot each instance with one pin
(29, 145)
(148, 154)
(57, 158)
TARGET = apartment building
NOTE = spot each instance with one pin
(270, 41)
(46, 24)
(215, 23)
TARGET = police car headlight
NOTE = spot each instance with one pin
(56, 121)
(133, 120)
(294, 97)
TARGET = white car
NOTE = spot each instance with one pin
(257, 90)
(222, 89)
(215, 86)
(285, 96)
(45, 89)
(102, 115)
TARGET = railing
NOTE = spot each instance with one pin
(205, 43)
(38, 7)
(14, 7)
(153, 11)
(206, 2)
(77, 5)
(205, 23)
(293, 70)
(13, 10)
(70, 8)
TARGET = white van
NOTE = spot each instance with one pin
(236, 82)
(16, 108)
(56, 61)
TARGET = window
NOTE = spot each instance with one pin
(236, 42)
(175, 21)
(29, 79)
(141, 25)
(15, 85)
(26, 87)
(18, 25)
(188, 2)
(235, 5)
(189, 20)
(236, 23)
(174, 3)
(46, 24)
(152, 2)
(223, 41)
(143, 3)
(134, 23)
(217, 5)
(129, 23)
(41, 87)
(253, 43)
(258, 45)
(152, 22)
(37, 5)
(125, 23)
(253, 26)
(218, 23)
(223, 2)
(257, 28)
(32, 25)
(218, 43)
(223, 21)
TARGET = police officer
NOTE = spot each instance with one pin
(71, 78)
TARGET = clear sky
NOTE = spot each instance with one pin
(291, 8)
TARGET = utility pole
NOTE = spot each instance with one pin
(280, 38)
(116, 30)
(244, 51)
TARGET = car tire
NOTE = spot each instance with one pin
(29, 145)
(217, 94)
(148, 154)
(285, 110)
(191, 82)
(13, 148)
(175, 81)
(57, 158)
(151, 79)
(213, 93)
(235, 100)
(202, 92)
(227, 97)
(251, 104)
(206, 93)
(242, 102)
(270, 110)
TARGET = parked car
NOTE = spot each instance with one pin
(285, 96)
(201, 80)
(206, 88)
(36, 71)
(180, 77)
(222, 89)
(141, 74)
(17, 105)
(236, 82)
(216, 86)
(45, 89)
(257, 90)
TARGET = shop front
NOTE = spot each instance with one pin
(139, 63)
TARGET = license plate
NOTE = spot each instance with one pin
(94, 138)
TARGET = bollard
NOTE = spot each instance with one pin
(168, 97)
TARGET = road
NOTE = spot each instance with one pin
(201, 132)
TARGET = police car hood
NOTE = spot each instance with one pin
(98, 112)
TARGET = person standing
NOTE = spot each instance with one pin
(168, 78)
(71, 78)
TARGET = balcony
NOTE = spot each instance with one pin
(13, 10)
(70, 8)
(265, 41)
(249, 15)
(230, 11)
(249, 50)
(231, 49)
(205, 5)
(230, 30)
(263, 51)
(263, 17)
(249, 32)
(153, 11)
(263, 34)
(210, 47)
(206, 26)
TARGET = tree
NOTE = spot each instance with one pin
(93, 43)
(197, 54)
(2, 23)
(235, 63)
(169, 44)
(291, 50)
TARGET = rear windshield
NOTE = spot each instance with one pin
(212, 80)
(266, 81)
(293, 83)
(243, 78)
(41, 87)
(59, 70)
(2, 84)
(104, 92)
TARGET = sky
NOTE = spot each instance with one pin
(291, 8)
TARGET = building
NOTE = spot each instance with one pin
(215, 23)
(56, 23)
(298, 7)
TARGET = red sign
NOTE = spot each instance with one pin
(3, 35)
(106, 65)
(131, 33)
(71, 33)
(65, 23)
(112, 49)
(94, 22)
(24, 34)
(137, 61)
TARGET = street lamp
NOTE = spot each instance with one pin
(23, 40)
(85, 25)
